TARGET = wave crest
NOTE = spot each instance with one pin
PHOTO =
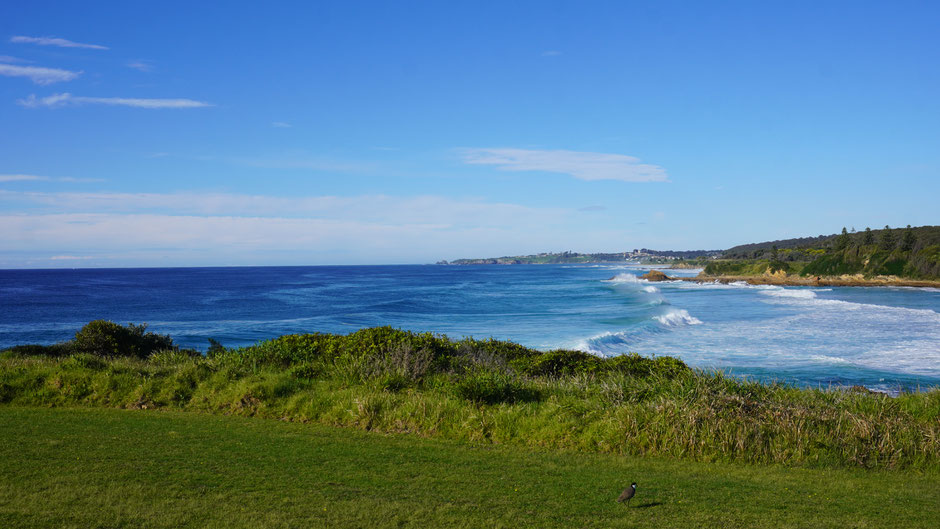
(676, 318)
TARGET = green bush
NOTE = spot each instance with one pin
(304, 371)
(559, 362)
(489, 387)
(640, 366)
(108, 339)
(54, 350)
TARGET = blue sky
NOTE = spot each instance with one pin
(190, 134)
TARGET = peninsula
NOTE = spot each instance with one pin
(886, 257)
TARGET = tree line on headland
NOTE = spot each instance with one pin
(903, 252)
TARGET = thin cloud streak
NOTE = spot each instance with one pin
(65, 99)
(385, 209)
(54, 41)
(142, 66)
(145, 239)
(37, 74)
(588, 166)
(20, 177)
(34, 178)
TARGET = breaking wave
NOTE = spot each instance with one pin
(676, 318)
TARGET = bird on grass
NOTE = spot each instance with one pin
(627, 493)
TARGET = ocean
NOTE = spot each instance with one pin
(887, 339)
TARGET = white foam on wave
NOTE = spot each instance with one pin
(808, 297)
(677, 317)
(651, 289)
(708, 285)
(918, 289)
(829, 359)
(623, 278)
(789, 293)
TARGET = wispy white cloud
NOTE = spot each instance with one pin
(8, 58)
(37, 74)
(54, 41)
(195, 228)
(20, 177)
(581, 165)
(59, 100)
(281, 125)
(367, 208)
(30, 177)
(143, 66)
(551, 53)
(70, 257)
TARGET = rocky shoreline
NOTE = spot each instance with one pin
(812, 281)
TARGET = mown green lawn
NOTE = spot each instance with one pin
(119, 468)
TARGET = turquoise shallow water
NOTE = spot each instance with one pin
(883, 338)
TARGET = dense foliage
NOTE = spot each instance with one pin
(912, 253)
(105, 339)
(496, 392)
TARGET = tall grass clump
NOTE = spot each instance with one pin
(491, 391)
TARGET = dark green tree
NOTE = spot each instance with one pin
(106, 338)
(869, 237)
(887, 239)
(773, 253)
(908, 240)
(843, 241)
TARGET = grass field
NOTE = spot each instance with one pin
(135, 468)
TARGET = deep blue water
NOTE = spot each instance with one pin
(884, 338)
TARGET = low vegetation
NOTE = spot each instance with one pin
(493, 392)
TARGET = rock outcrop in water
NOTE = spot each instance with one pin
(655, 275)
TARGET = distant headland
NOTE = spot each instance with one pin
(640, 255)
(885, 257)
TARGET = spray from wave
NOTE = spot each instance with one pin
(623, 277)
(677, 318)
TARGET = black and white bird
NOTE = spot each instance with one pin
(627, 493)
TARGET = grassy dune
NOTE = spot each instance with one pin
(81, 468)
(499, 393)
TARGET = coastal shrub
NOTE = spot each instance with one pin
(501, 392)
(469, 354)
(401, 362)
(489, 387)
(109, 339)
(54, 350)
(778, 266)
(641, 366)
(926, 262)
(559, 362)
(893, 266)
(304, 371)
(736, 267)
